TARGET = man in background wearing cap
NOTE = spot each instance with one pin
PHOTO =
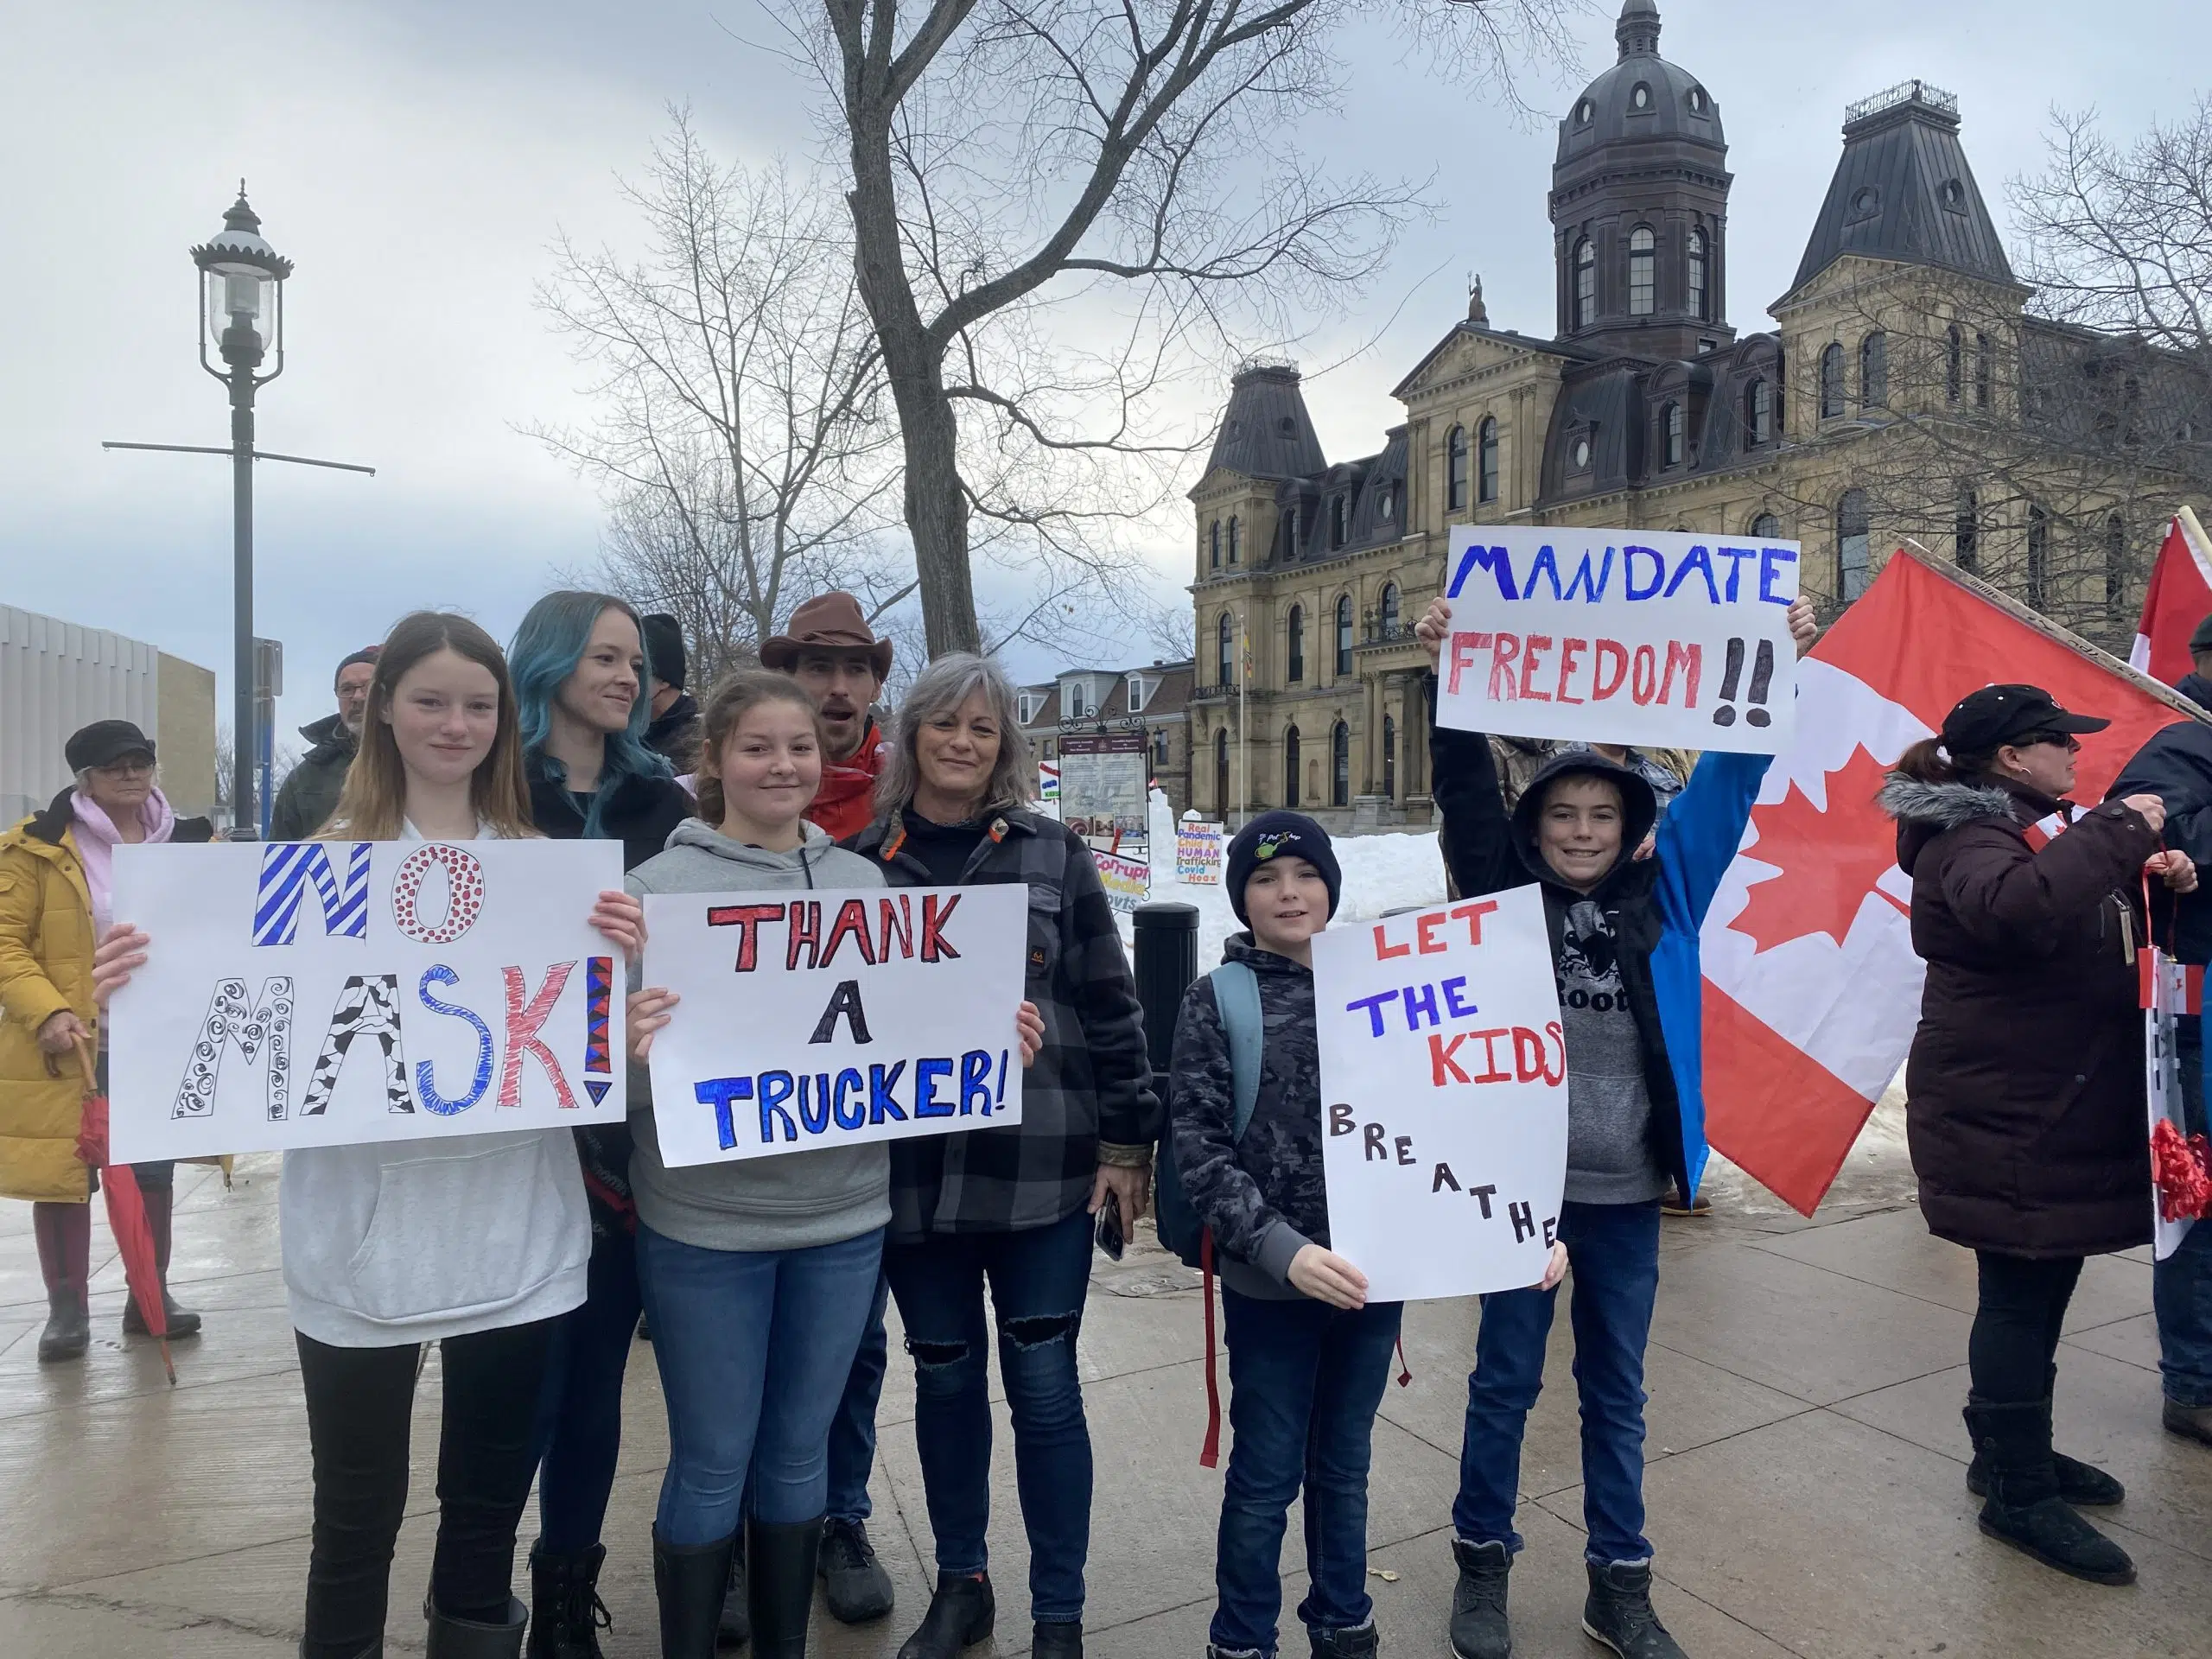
(310, 794)
(675, 730)
(831, 651)
(2175, 766)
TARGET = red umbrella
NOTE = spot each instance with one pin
(126, 1210)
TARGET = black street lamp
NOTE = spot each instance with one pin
(242, 279)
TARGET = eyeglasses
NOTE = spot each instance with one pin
(129, 768)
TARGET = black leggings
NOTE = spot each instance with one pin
(2016, 1327)
(359, 1403)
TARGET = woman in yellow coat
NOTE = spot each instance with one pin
(56, 870)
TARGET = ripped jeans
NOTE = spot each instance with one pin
(1038, 1281)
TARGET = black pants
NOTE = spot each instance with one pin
(360, 1402)
(2016, 1327)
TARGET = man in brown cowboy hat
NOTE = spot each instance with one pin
(831, 651)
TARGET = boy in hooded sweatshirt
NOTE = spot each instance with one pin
(1623, 928)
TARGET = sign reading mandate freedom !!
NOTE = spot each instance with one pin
(1652, 638)
(319, 994)
(826, 1019)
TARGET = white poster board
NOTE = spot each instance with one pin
(1444, 1095)
(823, 1019)
(2169, 999)
(1127, 880)
(1198, 853)
(317, 993)
(1652, 638)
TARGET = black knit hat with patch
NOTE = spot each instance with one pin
(1284, 834)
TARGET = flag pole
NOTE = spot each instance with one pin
(2049, 629)
(1243, 723)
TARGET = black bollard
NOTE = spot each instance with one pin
(1166, 962)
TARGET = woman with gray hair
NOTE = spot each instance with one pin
(1013, 1204)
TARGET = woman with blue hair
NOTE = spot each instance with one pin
(581, 674)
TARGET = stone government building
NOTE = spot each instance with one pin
(1893, 399)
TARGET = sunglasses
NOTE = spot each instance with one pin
(2063, 740)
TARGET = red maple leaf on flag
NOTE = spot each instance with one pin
(1830, 860)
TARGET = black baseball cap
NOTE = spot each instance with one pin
(104, 742)
(1986, 720)
(2202, 639)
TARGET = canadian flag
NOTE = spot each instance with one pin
(2179, 597)
(1812, 990)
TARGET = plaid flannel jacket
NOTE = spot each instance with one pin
(1090, 1084)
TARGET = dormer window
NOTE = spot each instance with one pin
(1287, 426)
(1954, 195)
(1865, 202)
(1336, 521)
(1583, 112)
(1077, 696)
(1640, 98)
(1580, 454)
(1141, 690)
(1698, 102)
(1670, 434)
(1386, 504)
(1031, 704)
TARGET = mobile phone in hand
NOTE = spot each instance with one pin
(1111, 1238)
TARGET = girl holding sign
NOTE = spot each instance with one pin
(759, 1276)
(477, 1242)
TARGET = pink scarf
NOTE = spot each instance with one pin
(96, 839)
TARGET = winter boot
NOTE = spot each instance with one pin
(566, 1614)
(64, 1232)
(1618, 1612)
(2081, 1485)
(1479, 1627)
(854, 1582)
(181, 1321)
(2024, 1507)
(2191, 1422)
(779, 1582)
(1056, 1640)
(1362, 1643)
(736, 1627)
(690, 1581)
(464, 1639)
(961, 1614)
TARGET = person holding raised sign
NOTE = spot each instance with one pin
(477, 1242)
(758, 1274)
(1624, 934)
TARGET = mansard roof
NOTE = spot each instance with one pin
(1265, 431)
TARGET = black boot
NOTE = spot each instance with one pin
(465, 1639)
(1618, 1612)
(854, 1582)
(1362, 1643)
(180, 1321)
(735, 1630)
(2191, 1422)
(2024, 1507)
(961, 1614)
(64, 1232)
(1056, 1641)
(780, 1582)
(690, 1581)
(2083, 1486)
(1479, 1627)
(566, 1614)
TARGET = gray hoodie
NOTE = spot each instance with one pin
(797, 1199)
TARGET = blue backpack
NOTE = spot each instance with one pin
(1237, 994)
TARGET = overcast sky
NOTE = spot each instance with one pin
(415, 158)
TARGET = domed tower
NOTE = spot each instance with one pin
(1639, 206)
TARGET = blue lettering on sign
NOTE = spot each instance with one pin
(882, 1080)
(855, 1116)
(434, 1102)
(926, 1076)
(776, 1087)
(976, 1081)
(1771, 559)
(815, 1114)
(1736, 556)
(1701, 562)
(1498, 561)
(1628, 572)
(719, 1092)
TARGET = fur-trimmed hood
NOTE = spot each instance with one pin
(1925, 810)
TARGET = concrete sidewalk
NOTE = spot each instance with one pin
(1806, 1485)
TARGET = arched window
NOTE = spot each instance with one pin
(1697, 274)
(1966, 531)
(1455, 469)
(1236, 540)
(1585, 283)
(2115, 568)
(1874, 371)
(1766, 528)
(2038, 558)
(1643, 270)
(1981, 372)
(1390, 759)
(1953, 364)
(1213, 546)
(1831, 381)
(1389, 608)
(1295, 667)
(1221, 771)
(1340, 766)
(1290, 767)
(1344, 634)
(1290, 534)
(1758, 411)
(1851, 536)
(1225, 650)
(1670, 434)
(1386, 504)
(1486, 459)
(1336, 521)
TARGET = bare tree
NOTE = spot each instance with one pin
(743, 441)
(1061, 206)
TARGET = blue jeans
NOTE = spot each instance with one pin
(754, 1347)
(1614, 1249)
(579, 1434)
(1304, 1382)
(852, 1434)
(1038, 1279)
(2180, 1285)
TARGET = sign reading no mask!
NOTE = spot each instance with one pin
(1444, 1097)
(825, 1018)
(325, 992)
(1651, 638)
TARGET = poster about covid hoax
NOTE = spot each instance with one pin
(331, 993)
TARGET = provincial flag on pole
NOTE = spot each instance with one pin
(2179, 597)
(1812, 990)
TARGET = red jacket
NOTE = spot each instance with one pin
(845, 804)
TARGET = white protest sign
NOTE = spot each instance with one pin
(1444, 1091)
(1198, 853)
(318, 993)
(1127, 880)
(1652, 638)
(828, 1019)
(2170, 1000)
